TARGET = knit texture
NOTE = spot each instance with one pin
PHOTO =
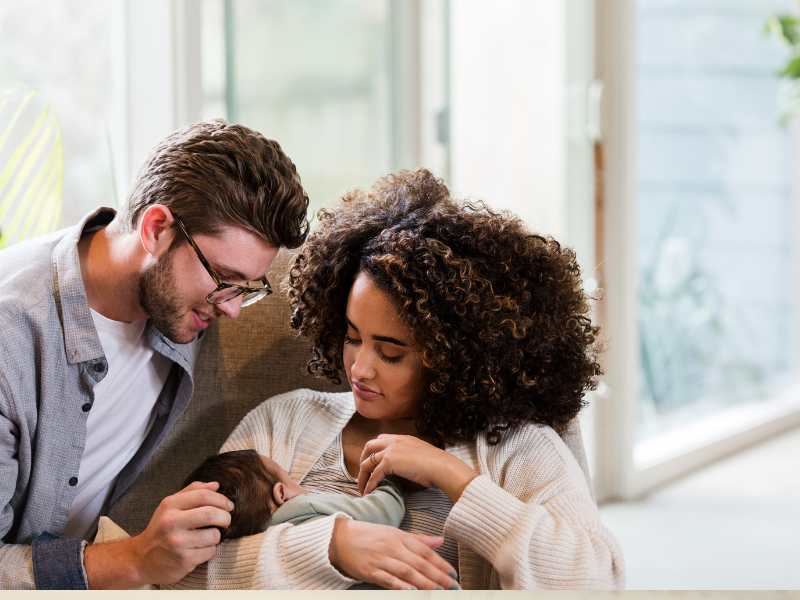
(527, 522)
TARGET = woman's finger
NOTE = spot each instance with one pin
(378, 474)
(408, 574)
(423, 548)
(367, 466)
(439, 572)
(389, 582)
(372, 446)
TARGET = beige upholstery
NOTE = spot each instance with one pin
(241, 363)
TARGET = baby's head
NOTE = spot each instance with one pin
(256, 485)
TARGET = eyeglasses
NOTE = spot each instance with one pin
(227, 291)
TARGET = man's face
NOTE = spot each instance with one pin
(173, 291)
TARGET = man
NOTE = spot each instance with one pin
(99, 328)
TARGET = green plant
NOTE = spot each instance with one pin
(786, 29)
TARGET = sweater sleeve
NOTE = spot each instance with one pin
(284, 556)
(531, 515)
(384, 506)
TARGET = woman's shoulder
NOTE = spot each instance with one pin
(303, 403)
(287, 417)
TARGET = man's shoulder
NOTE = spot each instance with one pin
(26, 275)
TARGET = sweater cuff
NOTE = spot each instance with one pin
(308, 557)
(58, 563)
(476, 521)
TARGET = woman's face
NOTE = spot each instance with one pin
(382, 365)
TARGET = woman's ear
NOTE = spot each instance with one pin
(279, 493)
(156, 231)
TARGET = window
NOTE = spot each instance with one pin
(715, 212)
(57, 92)
(336, 83)
(700, 233)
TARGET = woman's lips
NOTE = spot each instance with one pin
(364, 392)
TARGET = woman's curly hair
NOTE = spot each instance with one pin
(497, 313)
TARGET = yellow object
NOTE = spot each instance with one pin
(31, 166)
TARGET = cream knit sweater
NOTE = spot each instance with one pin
(527, 521)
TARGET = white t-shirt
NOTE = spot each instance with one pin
(120, 417)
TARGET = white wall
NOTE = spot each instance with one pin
(509, 108)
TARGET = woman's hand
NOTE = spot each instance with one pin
(414, 459)
(389, 557)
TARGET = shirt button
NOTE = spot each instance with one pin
(73, 481)
(99, 367)
(86, 407)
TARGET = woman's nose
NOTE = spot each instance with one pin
(362, 365)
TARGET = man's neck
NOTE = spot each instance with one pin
(110, 270)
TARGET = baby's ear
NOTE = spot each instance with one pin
(279, 493)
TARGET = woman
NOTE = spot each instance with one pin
(468, 349)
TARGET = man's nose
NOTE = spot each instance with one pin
(231, 308)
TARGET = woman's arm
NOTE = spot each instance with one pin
(318, 554)
(553, 540)
(556, 544)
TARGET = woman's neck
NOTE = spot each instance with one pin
(373, 428)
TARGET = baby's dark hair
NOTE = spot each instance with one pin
(244, 480)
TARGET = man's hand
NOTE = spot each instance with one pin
(181, 535)
(389, 557)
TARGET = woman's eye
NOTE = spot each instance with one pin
(392, 359)
(350, 340)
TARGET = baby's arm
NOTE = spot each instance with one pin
(384, 506)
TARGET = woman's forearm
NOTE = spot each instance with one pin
(453, 476)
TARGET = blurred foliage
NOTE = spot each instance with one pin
(786, 29)
(31, 165)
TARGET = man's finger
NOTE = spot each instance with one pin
(186, 500)
(199, 556)
(202, 538)
(203, 516)
(199, 485)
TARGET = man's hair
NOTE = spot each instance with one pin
(215, 173)
(245, 481)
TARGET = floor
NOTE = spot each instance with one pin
(734, 525)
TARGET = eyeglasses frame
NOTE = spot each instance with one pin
(266, 290)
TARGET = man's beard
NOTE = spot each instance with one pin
(160, 301)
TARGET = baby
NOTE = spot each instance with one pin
(264, 494)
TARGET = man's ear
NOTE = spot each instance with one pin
(156, 230)
(279, 493)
